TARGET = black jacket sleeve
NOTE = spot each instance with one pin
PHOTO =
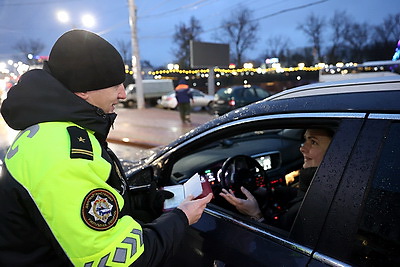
(162, 238)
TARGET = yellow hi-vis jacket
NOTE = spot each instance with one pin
(65, 176)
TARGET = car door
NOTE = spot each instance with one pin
(363, 224)
(230, 239)
(199, 99)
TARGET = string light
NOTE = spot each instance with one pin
(240, 71)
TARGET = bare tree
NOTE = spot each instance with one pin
(182, 37)
(240, 31)
(30, 49)
(389, 30)
(277, 46)
(357, 37)
(313, 27)
(125, 49)
(339, 23)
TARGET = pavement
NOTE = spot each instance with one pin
(151, 127)
(136, 130)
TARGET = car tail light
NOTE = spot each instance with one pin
(232, 102)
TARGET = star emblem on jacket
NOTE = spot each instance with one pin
(81, 139)
(100, 209)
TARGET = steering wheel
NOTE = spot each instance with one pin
(242, 170)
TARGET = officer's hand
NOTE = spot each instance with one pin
(194, 208)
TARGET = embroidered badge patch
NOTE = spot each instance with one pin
(100, 209)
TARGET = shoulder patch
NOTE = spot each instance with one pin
(100, 209)
(81, 147)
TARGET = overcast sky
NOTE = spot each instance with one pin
(157, 19)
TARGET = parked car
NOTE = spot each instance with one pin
(230, 98)
(350, 215)
(200, 100)
(152, 90)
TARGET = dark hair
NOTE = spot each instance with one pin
(329, 131)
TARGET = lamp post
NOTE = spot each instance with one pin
(137, 71)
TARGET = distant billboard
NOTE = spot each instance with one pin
(205, 55)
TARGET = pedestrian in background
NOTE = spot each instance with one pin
(65, 198)
(184, 96)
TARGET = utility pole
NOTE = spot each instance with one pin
(137, 71)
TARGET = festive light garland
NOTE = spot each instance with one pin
(233, 71)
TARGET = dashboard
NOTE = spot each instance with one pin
(277, 153)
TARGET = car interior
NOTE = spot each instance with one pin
(258, 159)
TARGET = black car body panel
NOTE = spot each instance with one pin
(350, 214)
(238, 244)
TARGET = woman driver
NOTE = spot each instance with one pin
(313, 149)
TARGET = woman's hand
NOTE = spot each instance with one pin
(248, 206)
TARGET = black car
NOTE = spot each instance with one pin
(350, 214)
(230, 98)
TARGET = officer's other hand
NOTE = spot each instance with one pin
(194, 208)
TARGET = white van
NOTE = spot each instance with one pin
(152, 90)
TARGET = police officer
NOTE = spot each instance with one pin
(63, 193)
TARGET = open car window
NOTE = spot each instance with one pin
(275, 150)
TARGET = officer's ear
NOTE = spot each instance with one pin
(83, 95)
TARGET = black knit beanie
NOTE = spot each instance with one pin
(83, 61)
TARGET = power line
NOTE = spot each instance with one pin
(289, 9)
(176, 9)
(153, 7)
(273, 14)
(219, 27)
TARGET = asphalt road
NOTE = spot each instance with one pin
(135, 131)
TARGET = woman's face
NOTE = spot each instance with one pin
(314, 147)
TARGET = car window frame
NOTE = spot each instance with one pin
(185, 147)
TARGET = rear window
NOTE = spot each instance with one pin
(225, 93)
(261, 93)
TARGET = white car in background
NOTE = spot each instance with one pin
(200, 100)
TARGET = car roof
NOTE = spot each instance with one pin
(385, 83)
(237, 87)
(372, 95)
(380, 94)
(369, 95)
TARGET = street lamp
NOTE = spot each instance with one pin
(87, 20)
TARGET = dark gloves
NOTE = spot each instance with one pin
(147, 202)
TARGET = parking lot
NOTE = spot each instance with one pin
(135, 130)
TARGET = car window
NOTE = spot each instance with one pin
(261, 93)
(224, 93)
(378, 237)
(249, 94)
(277, 151)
